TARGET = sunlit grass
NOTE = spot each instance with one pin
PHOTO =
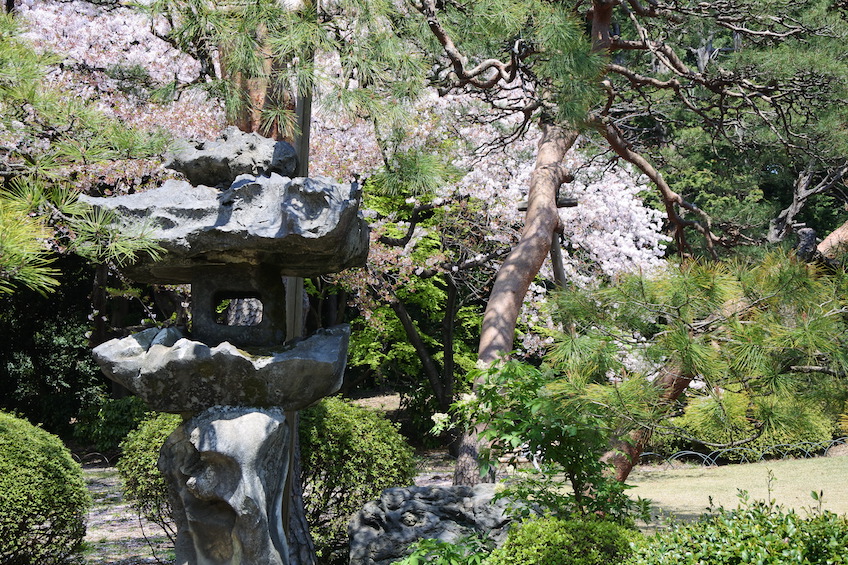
(685, 493)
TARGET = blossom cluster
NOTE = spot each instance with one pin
(99, 45)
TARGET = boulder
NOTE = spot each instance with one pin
(383, 530)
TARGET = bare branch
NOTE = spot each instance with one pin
(480, 76)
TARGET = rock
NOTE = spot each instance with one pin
(234, 153)
(303, 227)
(179, 375)
(383, 530)
(226, 471)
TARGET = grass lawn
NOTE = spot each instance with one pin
(685, 492)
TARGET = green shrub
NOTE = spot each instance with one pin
(350, 454)
(106, 422)
(469, 550)
(790, 427)
(43, 498)
(555, 541)
(143, 485)
(757, 532)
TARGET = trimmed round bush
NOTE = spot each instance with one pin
(555, 541)
(349, 456)
(105, 423)
(43, 498)
(144, 486)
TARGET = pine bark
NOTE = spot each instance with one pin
(836, 243)
(624, 453)
(518, 271)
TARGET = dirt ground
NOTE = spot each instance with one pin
(115, 534)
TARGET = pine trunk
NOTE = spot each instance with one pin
(624, 453)
(836, 243)
(518, 271)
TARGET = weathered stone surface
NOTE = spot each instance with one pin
(226, 470)
(175, 374)
(303, 226)
(234, 153)
(383, 530)
(211, 285)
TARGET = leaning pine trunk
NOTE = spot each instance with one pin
(624, 453)
(518, 271)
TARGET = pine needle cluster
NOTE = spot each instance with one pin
(761, 346)
(47, 137)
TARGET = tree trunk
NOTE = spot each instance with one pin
(524, 261)
(802, 191)
(428, 364)
(836, 243)
(518, 271)
(624, 453)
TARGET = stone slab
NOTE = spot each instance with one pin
(175, 374)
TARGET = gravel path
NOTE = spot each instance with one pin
(115, 535)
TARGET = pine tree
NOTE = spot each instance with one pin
(48, 139)
(706, 335)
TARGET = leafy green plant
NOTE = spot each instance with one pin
(755, 532)
(554, 541)
(44, 500)
(143, 485)
(469, 550)
(105, 423)
(519, 413)
(350, 454)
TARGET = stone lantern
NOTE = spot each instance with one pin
(227, 463)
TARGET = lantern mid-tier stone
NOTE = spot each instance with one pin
(175, 374)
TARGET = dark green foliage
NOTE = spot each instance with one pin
(143, 485)
(350, 454)
(43, 499)
(105, 423)
(756, 532)
(46, 369)
(554, 541)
